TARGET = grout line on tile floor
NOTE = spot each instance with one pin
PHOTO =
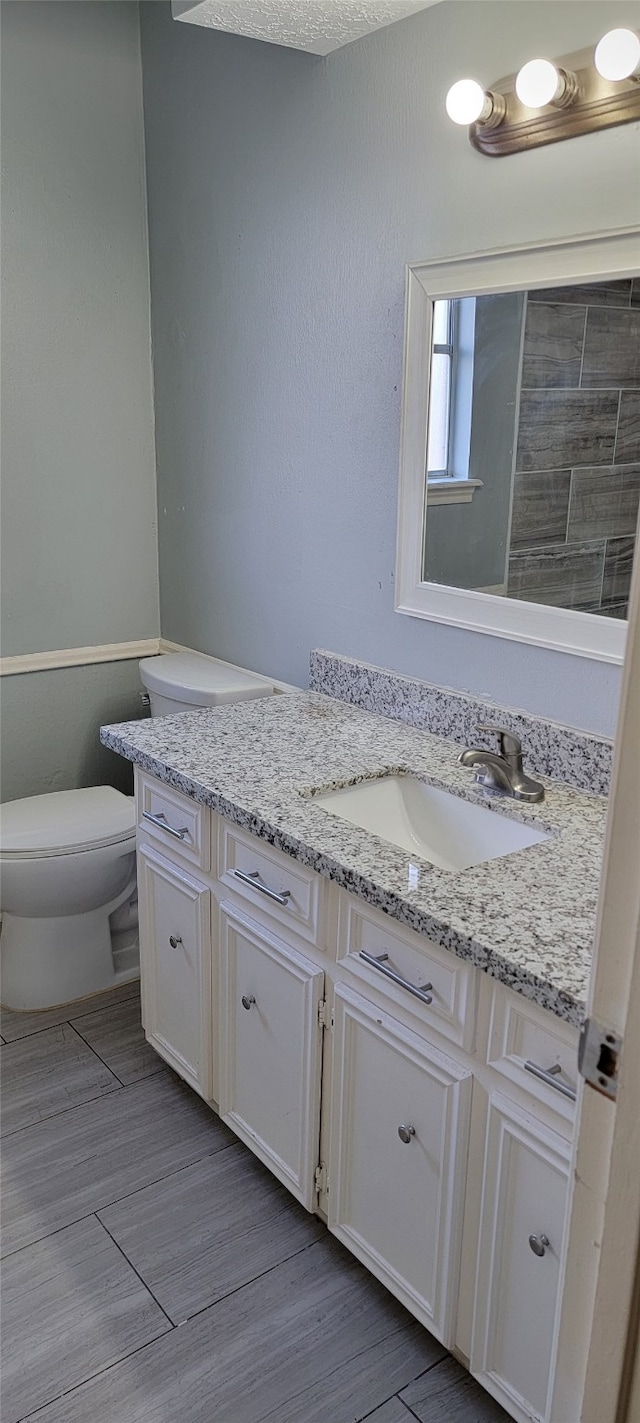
(78, 1034)
(261, 1276)
(116, 1363)
(379, 1406)
(410, 1412)
(119, 1087)
(107, 1204)
(101, 1059)
(136, 1272)
(5, 1136)
(72, 1016)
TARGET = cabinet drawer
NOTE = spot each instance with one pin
(269, 880)
(524, 1041)
(173, 820)
(450, 984)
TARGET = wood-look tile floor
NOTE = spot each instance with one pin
(155, 1272)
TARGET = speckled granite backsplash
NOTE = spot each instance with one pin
(549, 749)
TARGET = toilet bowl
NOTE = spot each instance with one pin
(67, 860)
(67, 894)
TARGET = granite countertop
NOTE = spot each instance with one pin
(528, 918)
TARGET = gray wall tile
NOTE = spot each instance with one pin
(540, 507)
(561, 428)
(618, 566)
(566, 576)
(604, 502)
(611, 349)
(628, 438)
(553, 341)
(593, 293)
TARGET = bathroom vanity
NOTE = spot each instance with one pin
(350, 1011)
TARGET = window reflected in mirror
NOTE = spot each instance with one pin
(533, 464)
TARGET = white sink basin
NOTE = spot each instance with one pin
(450, 832)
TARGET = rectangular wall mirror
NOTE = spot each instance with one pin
(520, 452)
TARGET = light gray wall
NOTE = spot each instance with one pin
(79, 555)
(286, 194)
(50, 724)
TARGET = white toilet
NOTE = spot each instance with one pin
(67, 861)
(67, 864)
(183, 681)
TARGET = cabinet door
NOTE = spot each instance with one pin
(271, 1049)
(175, 967)
(524, 1197)
(397, 1160)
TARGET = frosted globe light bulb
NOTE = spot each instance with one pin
(465, 101)
(538, 83)
(617, 56)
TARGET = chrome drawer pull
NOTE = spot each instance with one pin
(253, 878)
(539, 1244)
(247, 1001)
(550, 1076)
(405, 1132)
(163, 824)
(377, 961)
(174, 940)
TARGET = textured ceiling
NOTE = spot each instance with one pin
(317, 26)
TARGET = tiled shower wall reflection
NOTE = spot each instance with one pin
(577, 480)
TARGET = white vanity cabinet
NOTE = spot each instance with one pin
(522, 1221)
(175, 931)
(175, 966)
(271, 1014)
(425, 1109)
(399, 1120)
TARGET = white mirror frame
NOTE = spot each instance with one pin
(609, 256)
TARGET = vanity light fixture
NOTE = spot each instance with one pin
(548, 101)
(468, 103)
(539, 82)
(617, 56)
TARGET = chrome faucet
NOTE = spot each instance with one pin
(502, 770)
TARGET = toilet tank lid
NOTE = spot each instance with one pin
(66, 820)
(194, 677)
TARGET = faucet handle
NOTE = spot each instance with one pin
(510, 744)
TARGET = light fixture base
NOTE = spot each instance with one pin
(589, 105)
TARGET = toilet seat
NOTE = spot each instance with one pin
(66, 822)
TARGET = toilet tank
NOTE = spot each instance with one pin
(182, 681)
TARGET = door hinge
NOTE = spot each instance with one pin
(599, 1057)
(321, 1180)
(325, 1014)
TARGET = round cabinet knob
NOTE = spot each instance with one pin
(247, 1000)
(405, 1133)
(539, 1244)
(174, 940)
